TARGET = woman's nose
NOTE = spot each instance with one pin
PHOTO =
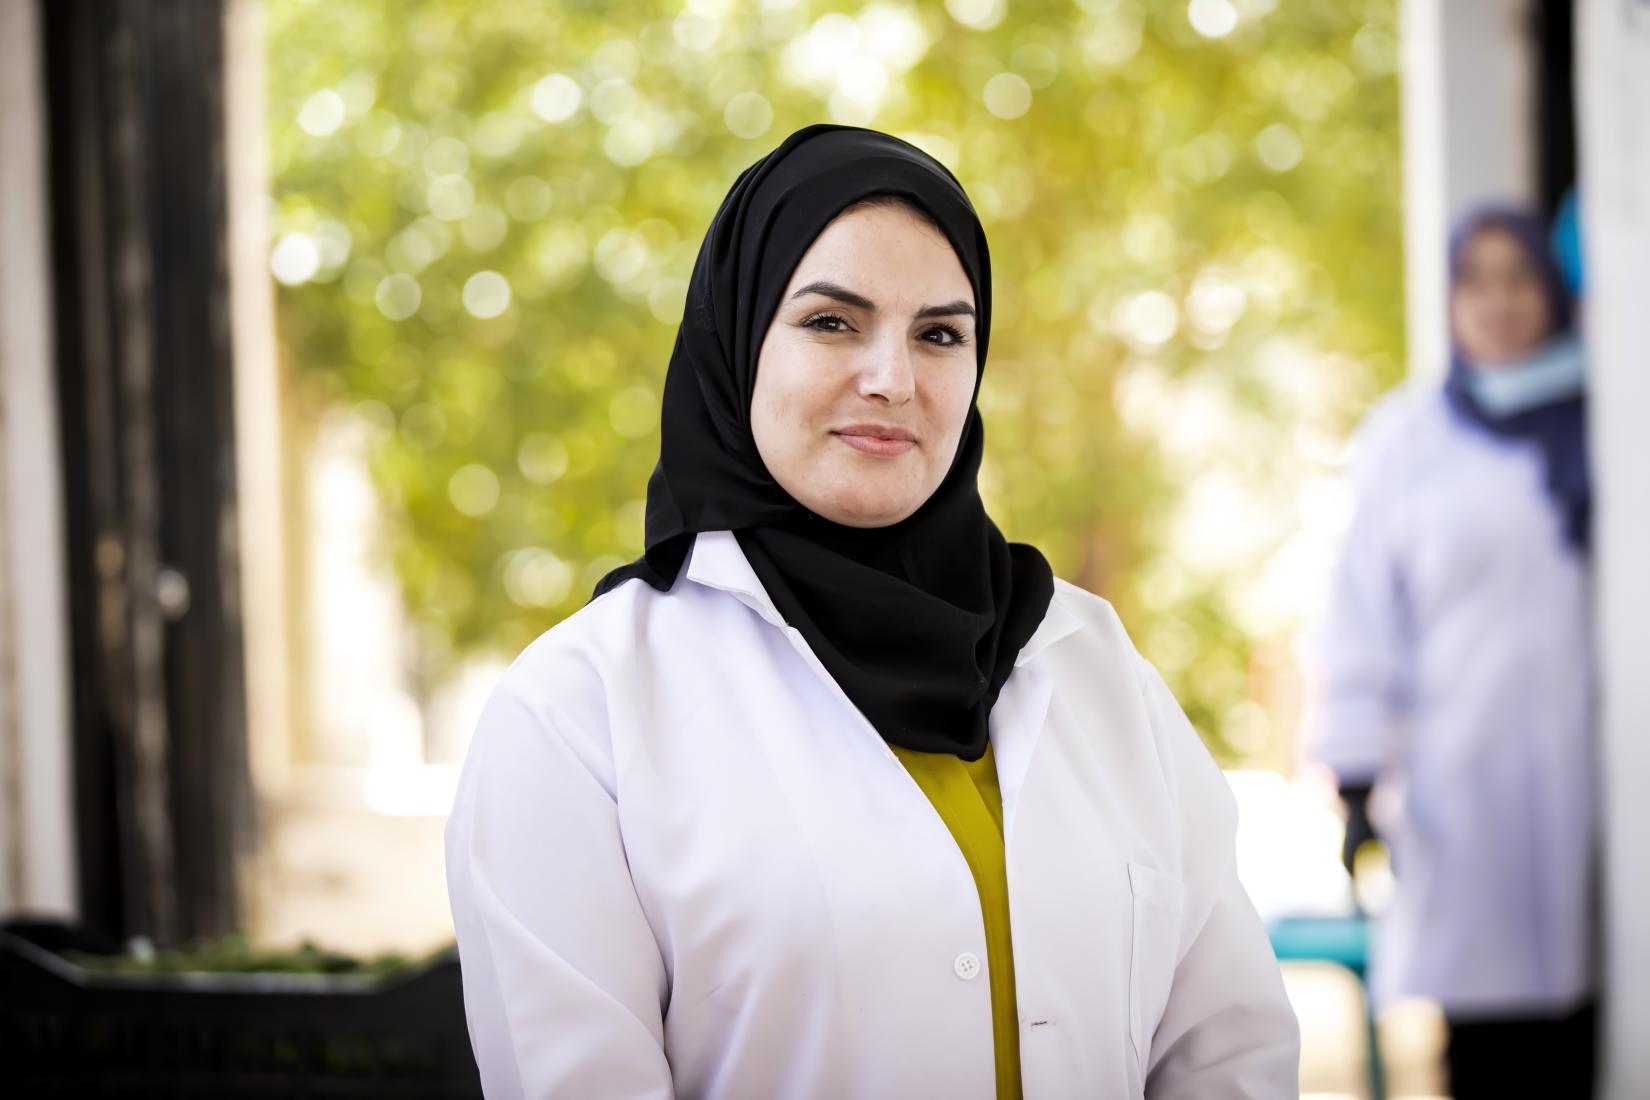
(886, 372)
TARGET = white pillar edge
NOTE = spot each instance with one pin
(1613, 98)
(37, 829)
(258, 419)
(1421, 91)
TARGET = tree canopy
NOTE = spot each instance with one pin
(486, 212)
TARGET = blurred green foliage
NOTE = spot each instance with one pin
(486, 212)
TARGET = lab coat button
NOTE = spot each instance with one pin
(967, 966)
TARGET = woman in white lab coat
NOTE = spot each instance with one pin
(835, 793)
(1459, 676)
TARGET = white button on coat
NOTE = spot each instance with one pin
(967, 966)
(682, 864)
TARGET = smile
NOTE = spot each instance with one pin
(877, 439)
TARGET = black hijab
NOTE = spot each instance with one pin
(918, 622)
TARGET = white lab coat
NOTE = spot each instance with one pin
(681, 863)
(1458, 672)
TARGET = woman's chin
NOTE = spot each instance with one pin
(867, 509)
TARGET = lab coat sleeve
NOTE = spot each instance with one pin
(563, 979)
(1228, 1029)
(1364, 635)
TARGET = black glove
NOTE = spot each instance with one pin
(1358, 828)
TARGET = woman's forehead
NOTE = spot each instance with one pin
(1497, 245)
(880, 251)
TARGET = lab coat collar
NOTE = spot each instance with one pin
(717, 561)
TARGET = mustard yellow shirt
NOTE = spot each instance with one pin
(969, 801)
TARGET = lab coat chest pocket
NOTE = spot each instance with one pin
(1154, 948)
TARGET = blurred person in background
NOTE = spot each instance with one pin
(758, 820)
(1459, 676)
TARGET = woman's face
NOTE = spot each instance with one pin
(866, 375)
(1498, 309)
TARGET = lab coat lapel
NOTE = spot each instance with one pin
(1017, 718)
(717, 561)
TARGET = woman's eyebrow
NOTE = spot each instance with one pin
(847, 297)
(950, 309)
(838, 292)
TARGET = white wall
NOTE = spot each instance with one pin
(264, 597)
(1467, 78)
(37, 867)
(1613, 88)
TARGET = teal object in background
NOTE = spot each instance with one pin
(1340, 940)
(1566, 242)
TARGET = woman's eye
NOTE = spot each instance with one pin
(945, 336)
(826, 322)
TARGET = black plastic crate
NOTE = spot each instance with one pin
(69, 1031)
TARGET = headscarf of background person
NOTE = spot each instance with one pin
(1541, 398)
(919, 622)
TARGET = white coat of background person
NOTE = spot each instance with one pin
(686, 857)
(1458, 676)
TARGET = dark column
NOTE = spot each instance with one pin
(1555, 108)
(135, 93)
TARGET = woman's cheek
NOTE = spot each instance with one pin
(962, 399)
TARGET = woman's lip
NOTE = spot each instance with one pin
(865, 442)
